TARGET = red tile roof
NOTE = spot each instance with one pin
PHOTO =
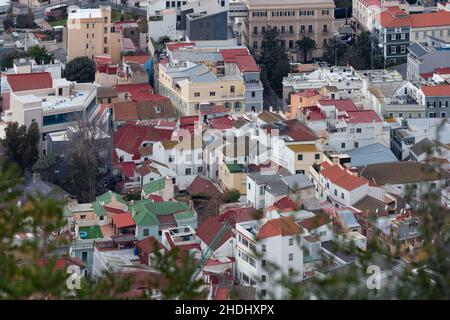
(129, 137)
(146, 246)
(221, 123)
(128, 169)
(29, 81)
(443, 70)
(171, 46)
(341, 105)
(61, 263)
(209, 229)
(442, 90)
(433, 19)
(141, 59)
(315, 222)
(156, 198)
(284, 226)
(298, 131)
(138, 91)
(237, 215)
(313, 113)
(339, 176)
(284, 204)
(123, 220)
(394, 17)
(188, 120)
(242, 58)
(202, 186)
(363, 116)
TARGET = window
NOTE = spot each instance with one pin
(291, 272)
(105, 50)
(105, 40)
(188, 171)
(212, 93)
(196, 94)
(106, 19)
(335, 192)
(261, 190)
(263, 278)
(291, 241)
(358, 130)
(263, 293)
(101, 218)
(393, 50)
(342, 195)
(253, 94)
(255, 30)
(310, 28)
(263, 263)
(343, 145)
(433, 185)
(84, 256)
(299, 157)
(291, 256)
(356, 144)
(249, 187)
(393, 37)
(443, 115)
(87, 35)
(170, 159)
(83, 216)
(109, 100)
(317, 156)
(325, 28)
(146, 232)
(200, 169)
(105, 30)
(237, 106)
(232, 89)
(263, 248)
(255, 44)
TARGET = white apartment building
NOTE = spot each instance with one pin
(346, 80)
(338, 185)
(280, 243)
(54, 108)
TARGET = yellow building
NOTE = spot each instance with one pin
(193, 85)
(91, 33)
(233, 176)
(300, 157)
(293, 19)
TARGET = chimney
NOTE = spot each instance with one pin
(353, 171)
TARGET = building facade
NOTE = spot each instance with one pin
(293, 19)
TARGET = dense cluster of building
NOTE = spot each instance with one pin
(185, 124)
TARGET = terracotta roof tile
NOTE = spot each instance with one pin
(284, 226)
(339, 176)
(123, 220)
(29, 81)
(209, 229)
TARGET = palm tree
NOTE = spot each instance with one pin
(306, 44)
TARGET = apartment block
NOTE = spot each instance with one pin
(293, 19)
(91, 33)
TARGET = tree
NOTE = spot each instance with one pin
(8, 21)
(306, 44)
(31, 146)
(22, 145)
(87, 159)
(273, 59)
(46, 165)
(231, 195)
(26, 20)
(334, 51)
(39, 54)
(80, 69)
(7, 60)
